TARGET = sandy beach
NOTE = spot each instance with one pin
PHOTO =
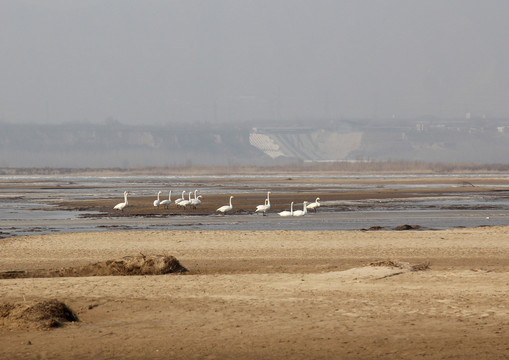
(269, 295)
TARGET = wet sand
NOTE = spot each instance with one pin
(252, 192)
(270, 295)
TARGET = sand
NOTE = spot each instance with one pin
(267, 295)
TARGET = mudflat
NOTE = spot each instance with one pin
(265, 295)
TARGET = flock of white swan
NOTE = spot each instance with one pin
(196, 201)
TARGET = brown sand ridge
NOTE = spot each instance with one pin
(127, 265)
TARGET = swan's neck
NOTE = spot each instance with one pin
(169, 196)
(230, 201)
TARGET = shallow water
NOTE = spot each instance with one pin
(25, 211)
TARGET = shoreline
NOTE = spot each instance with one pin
(332, 168)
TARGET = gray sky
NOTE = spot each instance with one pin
(237, 60)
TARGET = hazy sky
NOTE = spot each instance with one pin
(236, 60)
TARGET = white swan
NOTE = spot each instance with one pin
(177, 202)
(266, 207)
(196, 201)
(122, 205)
(184, 203)
(286, 212)
(302, 212)
(314, 205)
(224, 209)
(157, 202)
(166, 202)
(259, 208)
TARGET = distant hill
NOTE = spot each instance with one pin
(429, 140)
(116, 145)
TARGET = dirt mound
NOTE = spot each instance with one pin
(128, 265)
(388, 263)
(407, 227)
(401, 265)
(44, 314)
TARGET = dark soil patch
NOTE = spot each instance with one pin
(407, 227)
(387, 263)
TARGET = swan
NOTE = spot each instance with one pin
(166, 202)
(266, 207)
(260, 208)
(122, 205)
(302, 212)
(177, 202)
(226, 208)
(196, 201)
(157, 202)
(314, 205)
(286, 212)
(184, 203)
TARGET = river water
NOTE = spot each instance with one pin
(26, 205)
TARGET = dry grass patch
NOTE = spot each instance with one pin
(43, 314)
